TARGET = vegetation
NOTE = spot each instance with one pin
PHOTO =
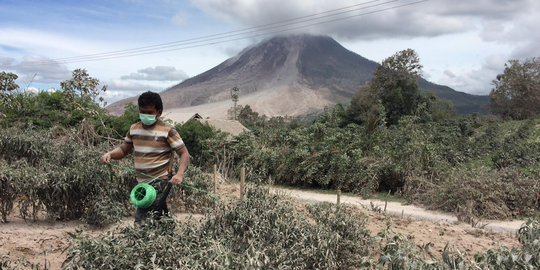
(516, 92)
(234, 98)
(267, 232)
(7, 82)
(391, 138)
(394, 92)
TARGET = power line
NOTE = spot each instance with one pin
(261, 30)
(225, 34)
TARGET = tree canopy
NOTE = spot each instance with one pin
(7, 81)
(516, 92)
(394, 86)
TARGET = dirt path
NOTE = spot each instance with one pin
(398, 209)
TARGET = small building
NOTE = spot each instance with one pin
(233, 127)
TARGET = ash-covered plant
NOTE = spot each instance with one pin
(397, 251)
(62, 177)
(525, 257)
(491, 194)
(262, 231)
(9, 262)
(189, 197)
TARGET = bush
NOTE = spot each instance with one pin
(189, 194)
(63, 177)
(489, 194)
(260, 232)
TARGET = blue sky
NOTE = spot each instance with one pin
(463, 44)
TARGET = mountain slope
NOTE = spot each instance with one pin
(287, 75)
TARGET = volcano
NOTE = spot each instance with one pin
(286, 75)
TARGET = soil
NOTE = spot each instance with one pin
(46, 242)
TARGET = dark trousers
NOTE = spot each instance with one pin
(159, 207)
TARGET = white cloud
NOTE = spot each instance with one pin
(476, 80)
(132, 86)
(31, 90)
(158, 73)
(34, 69)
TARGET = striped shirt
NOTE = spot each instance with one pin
(153, 149)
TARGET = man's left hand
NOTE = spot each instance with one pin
(176, 180)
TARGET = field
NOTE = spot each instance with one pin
(49, 242)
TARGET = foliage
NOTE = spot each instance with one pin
(516, 92)
(188, 195)
(526, 257)
(396, 251)
(234, 98)
(7, 82)
(260, 232)
(394, 92)
(66, 180)
(63, 177)
(14, 263)
(395, 84)
(81, 86)
(45, 110)
(250, 118)
(122, 123)
(196, 136)
(424, 160)
(365, 108)
(267, 232)
(480, 193)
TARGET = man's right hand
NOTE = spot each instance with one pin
(106, 158)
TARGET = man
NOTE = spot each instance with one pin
(154, 143)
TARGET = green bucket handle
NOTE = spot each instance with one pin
(143, 195)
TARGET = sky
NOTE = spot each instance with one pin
(133, 46)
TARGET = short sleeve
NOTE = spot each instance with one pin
(128, 139)
(174, 140)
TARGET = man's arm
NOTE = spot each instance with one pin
(184, 161)
(117, 153)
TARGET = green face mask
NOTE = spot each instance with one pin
(147, 119)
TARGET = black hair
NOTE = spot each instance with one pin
(151, 98)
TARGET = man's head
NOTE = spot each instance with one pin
(150, 104)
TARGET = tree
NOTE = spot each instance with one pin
(196, 136)
(394, 85)
(7, 84)
(82, 86)
(7, 81)
(516, 92)
(234, 98)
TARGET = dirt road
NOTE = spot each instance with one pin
(397, 209)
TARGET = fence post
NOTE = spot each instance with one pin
(242, 182)
(338, 196)
(215, 177)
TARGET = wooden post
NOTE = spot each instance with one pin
(338, 196)
(242, 179)
(215, 177)
(386, 201)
